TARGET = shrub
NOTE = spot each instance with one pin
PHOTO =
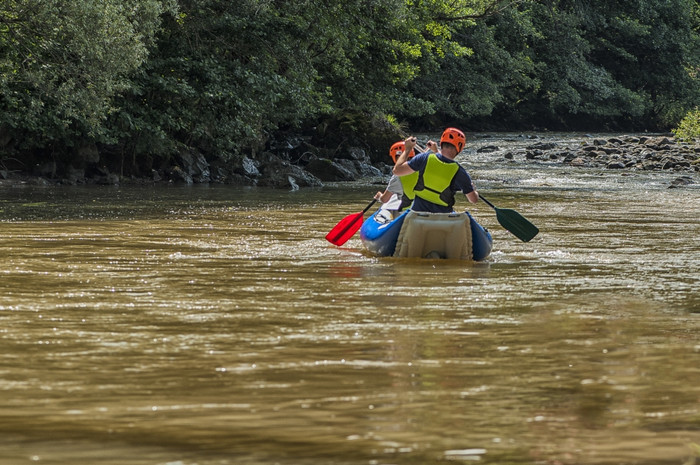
(689, 127)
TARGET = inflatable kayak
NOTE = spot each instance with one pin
(426, 235)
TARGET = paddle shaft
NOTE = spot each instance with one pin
(369, 206)
(487, 202)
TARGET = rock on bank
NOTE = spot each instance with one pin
(625, 152)
(312, 161)
(343, 149)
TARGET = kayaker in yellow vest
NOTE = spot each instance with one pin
(439, 176)
(399, 192)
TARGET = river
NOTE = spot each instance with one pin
(215, 325)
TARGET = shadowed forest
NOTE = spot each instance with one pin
(130, 84)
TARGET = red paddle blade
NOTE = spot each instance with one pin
(344, 230)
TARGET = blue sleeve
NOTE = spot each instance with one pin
(462, 181)
(418, 162)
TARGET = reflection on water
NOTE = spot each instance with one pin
(216, 326)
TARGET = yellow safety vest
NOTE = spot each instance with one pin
(408, 183)
(435, 181)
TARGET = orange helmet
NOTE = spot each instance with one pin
(399, 147)
(455, 137)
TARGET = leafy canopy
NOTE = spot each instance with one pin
(62, 61)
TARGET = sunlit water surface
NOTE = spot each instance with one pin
(215, 325)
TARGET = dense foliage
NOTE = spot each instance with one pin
(142, 80)
(575, 65)
(63, 61)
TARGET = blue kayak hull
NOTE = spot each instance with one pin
(380, 236)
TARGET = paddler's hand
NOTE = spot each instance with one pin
(409, 143)
(401, 167)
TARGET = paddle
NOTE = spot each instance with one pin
(514, 222)
(511, 220)
(347, 227)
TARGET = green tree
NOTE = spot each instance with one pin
(614, 64)
(496, 72)
(147, 78)
(649, 47)
(62, 62)
(689, 127)
(572, 64)
(227, 75)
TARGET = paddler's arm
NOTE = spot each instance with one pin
(383, 197)
(401, 167)
(473, 196)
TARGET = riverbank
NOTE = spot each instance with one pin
(619, 153)
(294, 165)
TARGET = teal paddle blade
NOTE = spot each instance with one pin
(517, 224)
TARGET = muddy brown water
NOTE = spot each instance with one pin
(215, 325)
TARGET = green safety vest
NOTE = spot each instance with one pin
(434, 183)
(408, 183)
